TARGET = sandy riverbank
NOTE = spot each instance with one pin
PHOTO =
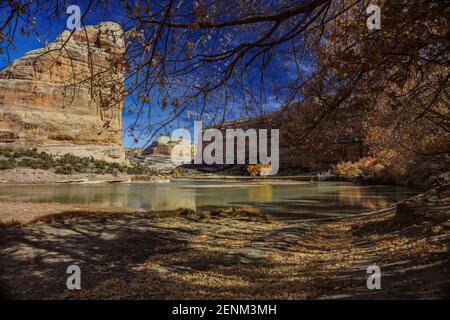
(39, 176)
(146, 256)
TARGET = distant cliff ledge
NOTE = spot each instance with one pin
(67, 95)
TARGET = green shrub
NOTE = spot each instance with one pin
(45, 156)
(37, 163)
(79, 164)
(17, 154)
(27, 162)
(117, 167)
(64, 170)
(67, 163)
(80, 167)
(33, 153)
(100, 164)
(136, 170)
(47, 164)
(5, 152)
(110, 170)
(30, 153)
(8, 164)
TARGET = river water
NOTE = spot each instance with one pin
(287, 199)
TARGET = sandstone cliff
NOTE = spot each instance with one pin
(67, 93)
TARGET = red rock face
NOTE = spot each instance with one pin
(68, 92)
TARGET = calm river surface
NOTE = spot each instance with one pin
(288, 199)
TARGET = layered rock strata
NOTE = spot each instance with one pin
(68, 93)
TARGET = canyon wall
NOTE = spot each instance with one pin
(67, 96)
(344, 140)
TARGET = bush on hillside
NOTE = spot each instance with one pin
(255, 169)
(64, 170)
(7, 164)
(366, 169)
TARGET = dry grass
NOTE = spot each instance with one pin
(49, 213)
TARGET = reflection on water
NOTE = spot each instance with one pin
(263, 193)
(281, 198)
(358, 197)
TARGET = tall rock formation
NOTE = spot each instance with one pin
(67, 96)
